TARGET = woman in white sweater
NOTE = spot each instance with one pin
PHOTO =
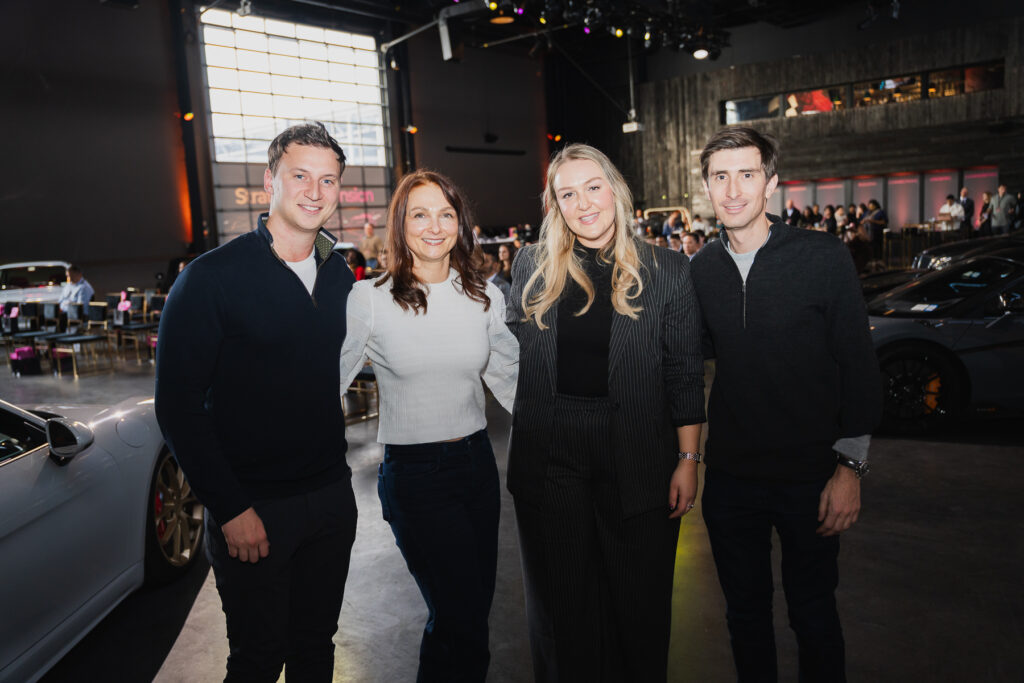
(433, 327)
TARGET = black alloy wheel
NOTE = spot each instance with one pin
(922, 390)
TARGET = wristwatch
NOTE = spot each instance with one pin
(696, 457)
(859, 467)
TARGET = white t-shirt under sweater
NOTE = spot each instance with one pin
(428, 366)
(306, 270)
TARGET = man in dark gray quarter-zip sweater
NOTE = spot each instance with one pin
(795, 399)
(247, 396)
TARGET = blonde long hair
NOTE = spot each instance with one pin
(556, 259)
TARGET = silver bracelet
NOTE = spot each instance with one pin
(696, 457)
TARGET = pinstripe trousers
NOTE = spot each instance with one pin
(598, 587)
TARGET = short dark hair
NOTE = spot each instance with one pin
(313, 134)
(74, 268)
(737, 138)
(950, 197)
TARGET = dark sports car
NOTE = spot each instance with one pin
(952, 341)
(874, 284)
(943, 255)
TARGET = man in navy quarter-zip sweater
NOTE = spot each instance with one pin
(795, 398)
(248, 399)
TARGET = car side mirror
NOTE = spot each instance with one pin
(67, 438)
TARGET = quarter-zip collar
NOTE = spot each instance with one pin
(323, 245)
(323, 248)
(776, 231)
(774, 227)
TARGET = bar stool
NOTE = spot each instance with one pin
(364, 396)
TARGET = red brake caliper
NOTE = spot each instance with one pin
(158, 508)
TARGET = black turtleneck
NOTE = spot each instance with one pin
(583, 340)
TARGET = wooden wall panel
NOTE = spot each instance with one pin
(679, 115)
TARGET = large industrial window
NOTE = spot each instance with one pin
(907, 88)
(734, 111)
(887, 90)
(814, 101)
(264, 75)
(965, 80)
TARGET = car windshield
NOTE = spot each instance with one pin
(934, 295)
(33, 276)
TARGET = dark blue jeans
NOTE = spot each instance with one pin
(442, 501)
(740, 514)
(283, 610)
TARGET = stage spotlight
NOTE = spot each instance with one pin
(701, 53)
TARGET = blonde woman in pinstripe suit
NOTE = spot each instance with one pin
(606, 426)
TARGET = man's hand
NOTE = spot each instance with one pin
(246, 537)
(682, 489)
(840, 502)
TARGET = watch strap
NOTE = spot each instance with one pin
(696, 457)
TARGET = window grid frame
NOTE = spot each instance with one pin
(379, 120)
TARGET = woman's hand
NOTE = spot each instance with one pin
(682, 489)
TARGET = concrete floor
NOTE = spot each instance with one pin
(930, 575)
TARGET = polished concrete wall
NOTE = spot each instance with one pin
(94, 161)
(481, 121)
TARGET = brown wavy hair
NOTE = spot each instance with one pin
(408, 291)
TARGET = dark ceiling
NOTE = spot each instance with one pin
(656, 24)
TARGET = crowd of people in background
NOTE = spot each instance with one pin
(860, 226)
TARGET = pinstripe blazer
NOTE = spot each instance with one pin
(655, 382)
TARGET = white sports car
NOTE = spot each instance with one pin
(92, 505)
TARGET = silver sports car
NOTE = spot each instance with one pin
(91, 505)
(952, 341)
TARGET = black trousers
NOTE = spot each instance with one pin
(740, 514)
(283, 610)
(443, 501)
(598, 587)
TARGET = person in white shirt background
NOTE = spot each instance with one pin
(951, 210)
(433, 327)
(77, 290)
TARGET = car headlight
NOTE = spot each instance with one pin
(940, 262)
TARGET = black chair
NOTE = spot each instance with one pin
(51, 316)
(9, 312)
(138, 311)
(29, 316)
(156, 306)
